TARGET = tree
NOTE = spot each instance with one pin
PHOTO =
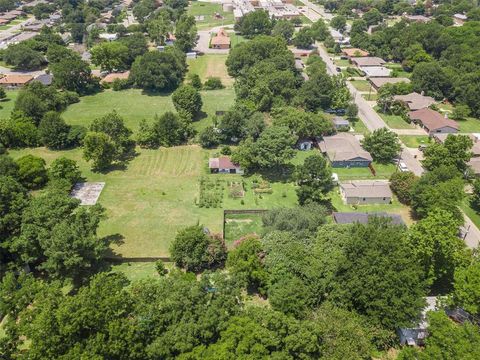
(99, 148)
(352, 111)
(31, 171)
(303, 39)
(194, 250)
(73, 74)
(110, 56)
(339, 23)
(466, 284)
(319, 30)
(8, 167)
(232, 126)
(372, 17)
(146, 136)
(436, 246)
(31, 106)
(195, 81)
(244, 263)
(254, 23)
(23, 57)
(159, 28)
(213, 83)
(187, 98)
(209, 137)
(159, 71)
(284, 29)
(3, 94)
(274, 148)
(304, 124)
(460, 112)
(390, 292)
(474, 201)
(64, 169)
(316, 93)
(382, 144)
(185, 33)
(401, 183)
(171, 129)
(113, 125)
(430, 78)
(440, 188)
(455, 151)
(314, 178)
(53, 131)
(14, 199)
(136, 44)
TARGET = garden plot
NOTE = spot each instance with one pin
(87, 192)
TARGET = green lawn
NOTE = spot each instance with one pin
(359, 127)
(414, 141)
(138, 270)
(398, 70)
(361, 85)
(208, 10)
(370, 97)
(238, 225)
(6, 105)
(470, 125)
(471, 213)
(382, 172)
(134, 105)
(394, 121)
(341, 62)
(236, 39)
(157, 195)
(210, 65)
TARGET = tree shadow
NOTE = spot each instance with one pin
(149, 92)
(200, 116)
(282, 173)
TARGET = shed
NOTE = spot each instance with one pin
(340, 123)
(110, 78)
(224, 165)
(221, 40)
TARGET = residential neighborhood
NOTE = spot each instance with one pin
(239, 179)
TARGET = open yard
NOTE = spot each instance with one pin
(394, 121)
(238, 225)
(208, 11)
(134, 105)
(414, 141)
(361, 85)
(210, 65)
(6, 105)
(470, 212)
(382, 172)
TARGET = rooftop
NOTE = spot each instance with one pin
(379, 82)
(366, 188)
(342, 147)
(15, 79)
(368, 61)
(222, 162)
(221, 38)
(432, 119)
(355, 52)
(415, 101)
(376, 71)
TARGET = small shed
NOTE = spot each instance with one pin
(340, 123)
(223, 165)
(305, 144)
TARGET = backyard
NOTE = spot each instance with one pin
(210, 65)
(414, 141)
(361, 85)
(209, 11)
(394, 121)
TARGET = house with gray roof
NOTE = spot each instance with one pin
(344, 150)
(362, 192)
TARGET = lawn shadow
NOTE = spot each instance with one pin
(148, 92)
(200, 116)
(281, 174)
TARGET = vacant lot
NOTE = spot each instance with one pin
(134, 105)
(208, 11)
(211, 65)
(394, 121)
(414, 141)
(238, 225)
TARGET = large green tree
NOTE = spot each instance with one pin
(110, 56)
(383, 144)
(314, 179)
(54, 131)
(455, 151)
(187, 98)
(254, 23)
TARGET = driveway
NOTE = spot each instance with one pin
(204, 40)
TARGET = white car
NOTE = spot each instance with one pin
(402, 166)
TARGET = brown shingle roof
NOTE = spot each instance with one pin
(221, 38)
(343, 147)
(366, 188)
(379, 82)
(355, 52)
(432, 120)
(368, 61)
(415, 101)
(15, 79)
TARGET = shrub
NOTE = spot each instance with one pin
(160, 267)
(213, 83)
(31, 171)
(120, 84)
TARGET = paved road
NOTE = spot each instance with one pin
(5, 34)
(316, 9)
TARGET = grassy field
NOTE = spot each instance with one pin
(361, 85)
(394, 121)
(134, 105)
(398, 70)
(6, 105)
(341, 62)
(210, 65)
(370, 97)
(208, 10)
(414, 141)
(382, 172)
(469, 125)
(471, 213)
(238, 225)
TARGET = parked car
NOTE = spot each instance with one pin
(402, 166)
(422, 147)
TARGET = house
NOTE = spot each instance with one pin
(361, 192)
(363, 218)
(110, 78)
(459, 19)
(223, 165)
(344, 150)
(432, 121)
(13, 81)
(354, 52)
(221, 40)
(367, 61)
(108, 36)
(340, 123)
(375, 71)
(415, 101)
(416, 18)
(45, 79)
(416, 336)
(378, 82)
(338, 37)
